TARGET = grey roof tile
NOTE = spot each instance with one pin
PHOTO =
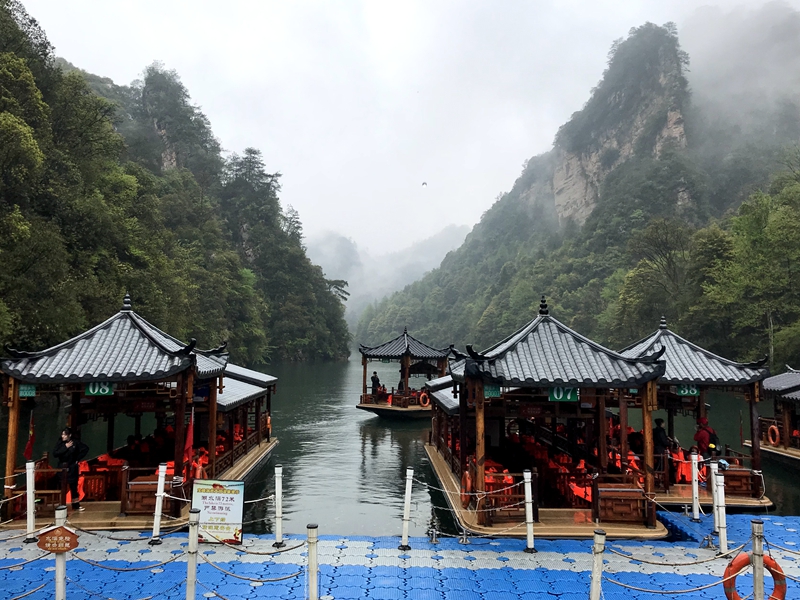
(123, 348)
(688, 363)
(403, 345)
(235, 393)
(545, 353)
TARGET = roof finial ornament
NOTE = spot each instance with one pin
(543, 307)
(126, 302)
(405, 330)
(663, 324)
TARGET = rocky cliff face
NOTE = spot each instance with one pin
(634, 111)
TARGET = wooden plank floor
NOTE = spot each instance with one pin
(246, 465)
(681, 495)
(779, 451)
(554, 523)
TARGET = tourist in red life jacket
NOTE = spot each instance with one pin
(703, 437)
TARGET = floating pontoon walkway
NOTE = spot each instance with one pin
(355, 568)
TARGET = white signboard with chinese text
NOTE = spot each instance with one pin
(221, 505)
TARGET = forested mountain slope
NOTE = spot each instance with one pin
(107, 189)
(630, 217)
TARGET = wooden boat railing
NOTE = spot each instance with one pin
(621, 499)
(399, 399)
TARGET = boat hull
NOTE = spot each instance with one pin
(396, 412)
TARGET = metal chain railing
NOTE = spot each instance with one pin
(33, 591)
(251, 579)
(688, 564)
(689, 591)
(99, 595)
(245, 551)
(127, 569)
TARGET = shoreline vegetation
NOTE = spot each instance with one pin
(109, 189)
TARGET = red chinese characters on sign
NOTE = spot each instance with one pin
(58, 539)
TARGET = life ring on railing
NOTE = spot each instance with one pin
(739, 563)
(466, 489)
(773, 435)
(424, 400)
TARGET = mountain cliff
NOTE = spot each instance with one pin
(612, 224)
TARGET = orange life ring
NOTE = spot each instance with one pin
(740, 562)
(424, 400)
(466, 489)
(773, 435)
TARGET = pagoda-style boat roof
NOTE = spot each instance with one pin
(786, 384)
(123, 348)
(403, 345)
(241, 386)
(546, 353)
(688, 363)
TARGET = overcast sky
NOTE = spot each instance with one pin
(358, 103)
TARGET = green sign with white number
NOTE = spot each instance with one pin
(564, 394)
(27, 390)
(491, 391)
(100, 388)
(688, 390)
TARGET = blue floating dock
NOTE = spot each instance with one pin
(364, 568)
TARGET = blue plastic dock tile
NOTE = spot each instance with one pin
(462, 595)
(349, 593)
(382, 593)
(424, 594)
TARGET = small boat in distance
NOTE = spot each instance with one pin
(416, 359)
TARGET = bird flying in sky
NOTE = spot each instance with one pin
(424, 184)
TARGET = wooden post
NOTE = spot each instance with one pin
(260, 435)
(623, 424)
(13, 429)
(269, 413)
(212, 430)
(180, 417)
(463, 392)
(442, 367)
(602, 431)
(480, 449)
(755, 433)
(786, 414)
(406, 366)
(649, 404)
(364, 385)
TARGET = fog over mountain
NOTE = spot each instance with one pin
(371, 277)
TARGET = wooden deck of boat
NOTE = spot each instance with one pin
(104, 516)
(397, 412)
(791, 454)
(681, 495)
(554, 523)
(247, 464)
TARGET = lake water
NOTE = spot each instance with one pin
(345, 469)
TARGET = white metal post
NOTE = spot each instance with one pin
(711, 482)
(695, 488)
(597, 563)
(279, 543)
(61, 557)
(758, 559)
(313, 565)
(155, 539)
(526, 474)
(30, 497)
(191, 562)
(407, 509)
(723, 521)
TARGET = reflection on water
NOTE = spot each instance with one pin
(345, 469)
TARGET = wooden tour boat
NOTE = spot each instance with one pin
(552, 401)
(416, 359)
(779, 436)
(127, 366)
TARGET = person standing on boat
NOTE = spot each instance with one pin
(69, 453)
(703, 437)
(376, 383)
